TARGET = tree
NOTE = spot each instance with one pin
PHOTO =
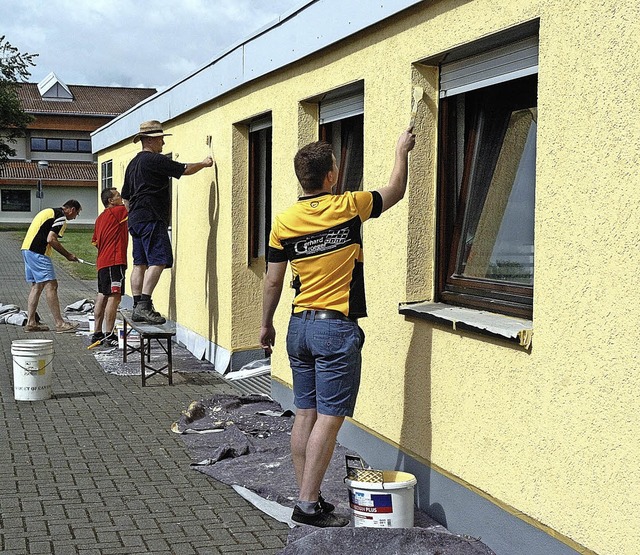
(14, 68)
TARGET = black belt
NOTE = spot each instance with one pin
(322, 315)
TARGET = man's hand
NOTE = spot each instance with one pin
(71, 257)
(267, 338)
(406, 142)
(208, 162)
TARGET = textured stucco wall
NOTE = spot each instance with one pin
(552, 432)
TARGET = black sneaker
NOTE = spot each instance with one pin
(144, 313)
(325, 505)
(319, 518)
(97, 336)
(110, 340)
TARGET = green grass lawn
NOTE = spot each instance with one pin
(78, 242)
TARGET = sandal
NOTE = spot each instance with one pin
(67, 327)
(36, 327)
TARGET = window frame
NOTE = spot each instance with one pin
(106, 177)
(259, 188)
(503, 297)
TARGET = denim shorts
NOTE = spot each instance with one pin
(151, 245)
(38, 268)
(325, 358)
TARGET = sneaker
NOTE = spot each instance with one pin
(36, 327)
(144, 313)
(67, 327)
(110, 340)
(98, 336)
(325, 505)
(319, 518)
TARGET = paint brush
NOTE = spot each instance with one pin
(418, 93)
(210, 145)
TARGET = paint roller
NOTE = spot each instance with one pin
(418, 94)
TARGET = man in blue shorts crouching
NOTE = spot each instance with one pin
(42, 236)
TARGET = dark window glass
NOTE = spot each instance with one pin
(38, 145)
(69, 145)
(15, 200)
(259, 192)
(347, 139)
(54, 145)
(84, 145)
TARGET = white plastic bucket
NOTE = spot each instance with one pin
(387, 504)
(120, 334)
(92, 323)
(32, 369)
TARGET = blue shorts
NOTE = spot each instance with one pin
(38, 268)
(151, 245)
(326, 360)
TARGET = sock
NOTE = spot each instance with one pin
(308, 507)
(136, 299)
(145, 298)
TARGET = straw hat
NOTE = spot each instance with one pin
(151, 128)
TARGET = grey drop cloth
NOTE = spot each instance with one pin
(245, 441)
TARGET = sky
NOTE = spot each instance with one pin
(129, 43)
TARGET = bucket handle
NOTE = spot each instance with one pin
(29, 370)
(361, 473)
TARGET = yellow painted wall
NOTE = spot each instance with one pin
(552, 432)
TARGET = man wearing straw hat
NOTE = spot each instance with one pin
(147, 196)
(320, 236)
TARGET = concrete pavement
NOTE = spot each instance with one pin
(95, 469)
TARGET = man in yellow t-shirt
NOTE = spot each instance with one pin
(41, 237)
(320, 236)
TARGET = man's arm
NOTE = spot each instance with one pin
(270, 297)
(190, 169)
(52, 239)
(395, 189)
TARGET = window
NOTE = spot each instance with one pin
(12, 200)
(39, 144)
(486, 173)
(259, 186)
(342, 125)
(106, 172)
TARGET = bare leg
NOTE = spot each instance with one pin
(137, 279)
(151, 278)
(98, 311)
(320, 446)
(302, 426)
(32, 303)
(51, 292)
(113, 301)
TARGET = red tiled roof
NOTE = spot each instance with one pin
(30, 172)
(87, 100)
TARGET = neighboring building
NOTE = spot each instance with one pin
(53, 162)
(501, 364)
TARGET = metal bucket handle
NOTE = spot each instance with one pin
(361, 473)
(30, 371)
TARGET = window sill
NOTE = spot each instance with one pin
(514, 329)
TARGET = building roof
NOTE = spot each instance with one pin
(62, 173)
(87, 100)
(275, 46)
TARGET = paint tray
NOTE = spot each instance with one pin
(356, 471)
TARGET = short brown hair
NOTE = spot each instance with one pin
(106, 194)
(72, 203)
(312, 163)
